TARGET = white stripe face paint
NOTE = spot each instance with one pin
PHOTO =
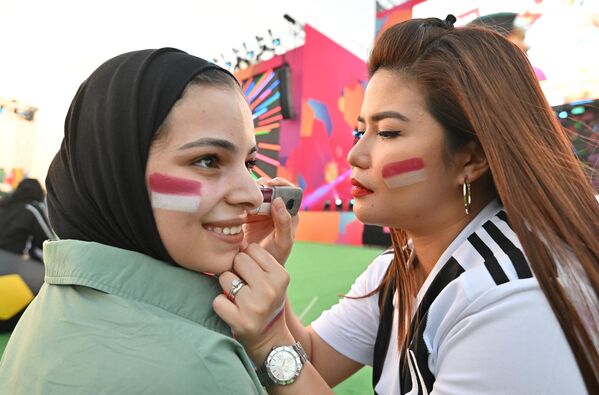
(188, 204)
(404, 173)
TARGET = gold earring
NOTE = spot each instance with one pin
(467, 195)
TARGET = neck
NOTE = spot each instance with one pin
(429, 244)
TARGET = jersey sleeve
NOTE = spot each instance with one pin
(350, 326)
(507, 341)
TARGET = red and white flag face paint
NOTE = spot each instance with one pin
(404, 173)
(173, 193)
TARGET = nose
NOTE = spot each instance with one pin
(244, 191)
(358, 156)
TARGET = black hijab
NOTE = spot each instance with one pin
(96, 182)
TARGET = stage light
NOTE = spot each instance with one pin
(275, 41)
(289, 19)
(350, 205)
(248, 52)
(563, 114)
(327, 205)
(339, 204)
(578, 110)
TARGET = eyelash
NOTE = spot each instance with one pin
(358, 134)
(212, 158)
(389, 134)
(250, 164)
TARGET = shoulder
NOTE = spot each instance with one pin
(490, 258)
(490, 270)
(137, 346)
(216, 364)
(375, 272)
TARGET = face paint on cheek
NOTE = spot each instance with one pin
(173, 193)
(404, 173)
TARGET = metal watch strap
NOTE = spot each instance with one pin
(297, 346)
(262, 371)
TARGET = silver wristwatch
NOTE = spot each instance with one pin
(282, 366)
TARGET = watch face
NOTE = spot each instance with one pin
(284, 365)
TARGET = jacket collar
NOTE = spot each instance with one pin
(134, 276)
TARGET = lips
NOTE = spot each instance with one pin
(359, 190)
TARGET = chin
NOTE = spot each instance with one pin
(367, 215)
(375, 220)
(219, 263)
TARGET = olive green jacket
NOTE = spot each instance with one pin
(113, 321)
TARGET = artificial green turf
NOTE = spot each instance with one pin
(323, 271)
(3, 340)
(319, 272)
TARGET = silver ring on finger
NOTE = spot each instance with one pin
(236, 285)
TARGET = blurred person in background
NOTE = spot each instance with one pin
(504, 23)
(23, 222)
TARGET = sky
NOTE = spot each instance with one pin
(49, 47)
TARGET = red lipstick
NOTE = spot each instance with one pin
(359, 190)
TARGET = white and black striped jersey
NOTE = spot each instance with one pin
(485, 326)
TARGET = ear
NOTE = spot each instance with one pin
(472, 162)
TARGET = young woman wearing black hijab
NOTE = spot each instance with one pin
(148, 194)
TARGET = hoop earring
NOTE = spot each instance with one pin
(467, 195)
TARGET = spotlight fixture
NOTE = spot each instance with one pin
(263, 48)
(239, 61)
(291, 20)
(248, 52)
(275, 40)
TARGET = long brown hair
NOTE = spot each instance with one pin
(479, 86)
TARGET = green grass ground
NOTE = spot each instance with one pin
(319, 272)
(3, 340)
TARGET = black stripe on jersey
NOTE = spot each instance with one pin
(503, 216)
(514, 253)
(388, 251)
(491, 263)
(413, 363)
(383, 335)
(449, 272)
(421, 355)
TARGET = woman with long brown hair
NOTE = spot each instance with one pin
(491, 285)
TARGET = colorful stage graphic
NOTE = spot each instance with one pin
(265, 93)
(305, 108)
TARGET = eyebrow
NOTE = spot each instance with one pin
(386, 114)
(213, 142)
